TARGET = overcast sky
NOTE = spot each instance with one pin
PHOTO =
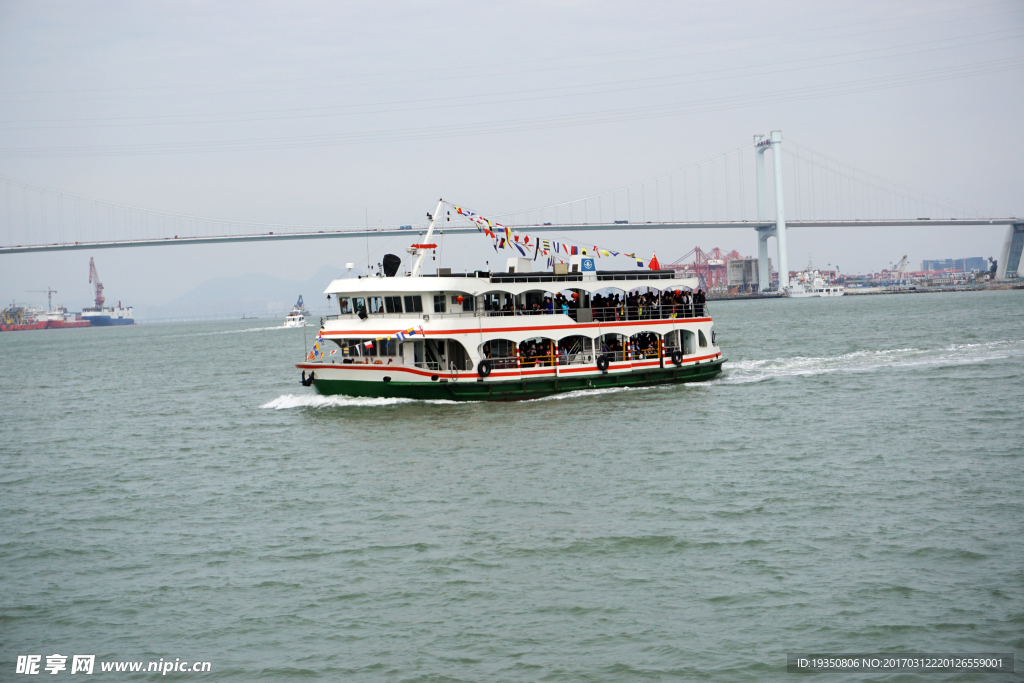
(345, 113)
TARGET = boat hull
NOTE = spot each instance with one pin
(20, 327)
(469, 389)
(106, 320)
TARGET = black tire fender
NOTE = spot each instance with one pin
(602, 363)
(483, 368)
(677, 358)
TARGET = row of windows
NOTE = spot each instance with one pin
(400, 304)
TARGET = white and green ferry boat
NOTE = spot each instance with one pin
(511, 335)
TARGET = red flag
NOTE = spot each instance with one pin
(654, 263)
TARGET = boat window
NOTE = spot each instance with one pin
(467, 301)
(359, 304)
(701, 339)
(344, 305)
(688, 347)
(575, 350)
(612, 345)
(538, 352)
(414, 304)
(645, 345)
(376, 304)
(393, 304)
(439, 303)
(388, 347)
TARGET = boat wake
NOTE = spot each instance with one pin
(745, 371)
(317, 401)
(248, 329)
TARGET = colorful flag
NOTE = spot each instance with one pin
(545, 245)
(604, 252)
(654, 262)
(420, 330)
(400, 336)
(639, 262)
(575, 251)
(334, 351)
(368, 344)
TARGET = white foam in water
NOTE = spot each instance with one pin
(248, 329)
(318, 401)
(594, 392)
(742, 372)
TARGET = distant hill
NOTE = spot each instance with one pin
(253, 294)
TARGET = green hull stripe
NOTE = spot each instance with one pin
(513, 390)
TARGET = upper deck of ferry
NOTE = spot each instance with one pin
(484, 294)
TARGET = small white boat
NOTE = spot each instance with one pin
(810, 283)
(297, 316)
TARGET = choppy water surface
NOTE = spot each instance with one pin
(854, 482)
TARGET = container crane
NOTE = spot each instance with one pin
(94, 280)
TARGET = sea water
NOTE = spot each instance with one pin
(853, 482)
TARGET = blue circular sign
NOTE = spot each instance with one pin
(587, 263)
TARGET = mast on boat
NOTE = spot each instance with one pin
(420, 250)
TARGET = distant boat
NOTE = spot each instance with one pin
(810, 283)
(297, 316)
(250, 317)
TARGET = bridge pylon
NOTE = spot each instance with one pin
(762, 144)
(1012, 253)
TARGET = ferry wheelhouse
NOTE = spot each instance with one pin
(510, 335)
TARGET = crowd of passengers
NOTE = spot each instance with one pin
(545, 353)
(634, 306)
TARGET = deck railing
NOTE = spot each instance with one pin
(602, 314)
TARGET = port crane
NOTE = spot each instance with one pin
(898, 273)
(49, 296)
(94, 280)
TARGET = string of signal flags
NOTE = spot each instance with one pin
(503, 237)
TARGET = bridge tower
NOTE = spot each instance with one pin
(778, 231)
(1012, 251)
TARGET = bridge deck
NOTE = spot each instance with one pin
(558, 228)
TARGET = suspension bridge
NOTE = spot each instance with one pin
(806, 189)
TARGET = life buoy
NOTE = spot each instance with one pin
(483, 368)
(677, 358)
(602, 363)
